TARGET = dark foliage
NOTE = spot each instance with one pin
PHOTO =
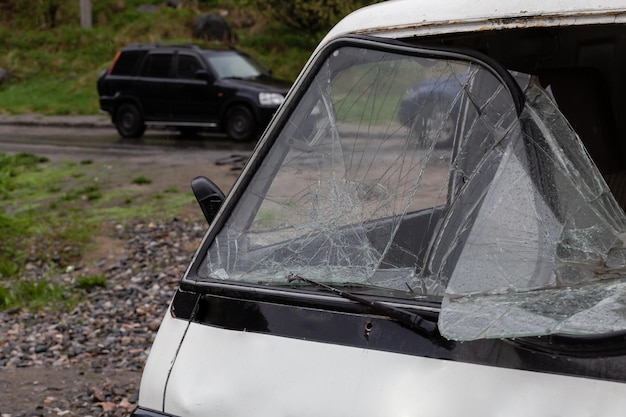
(309, 16)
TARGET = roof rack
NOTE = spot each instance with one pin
(163, 45)
(189, 46)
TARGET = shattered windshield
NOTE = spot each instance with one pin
(419, 176)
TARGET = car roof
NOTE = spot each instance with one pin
(405, 18)
(174, 46)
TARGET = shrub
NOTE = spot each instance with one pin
(89, 282)
(142, 180)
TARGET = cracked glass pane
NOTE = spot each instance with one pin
(546, 249)
(418, 176)
(356, 184)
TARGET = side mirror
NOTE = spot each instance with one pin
(203, 75)
(209, 196)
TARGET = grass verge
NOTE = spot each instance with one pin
(49, 215)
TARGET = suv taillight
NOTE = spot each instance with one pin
(117, 55)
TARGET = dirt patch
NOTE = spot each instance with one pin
(61, 392)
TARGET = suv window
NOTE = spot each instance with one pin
(157, 66)
(126, 62)
(187, 66)
(234, 66)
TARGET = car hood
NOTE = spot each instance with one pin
(260, 84)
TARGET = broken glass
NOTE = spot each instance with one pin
(349, 193)
(419, 176)
(546, 251)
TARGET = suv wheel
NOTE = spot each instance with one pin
(240, 124)
(437, 126)
(128, 121)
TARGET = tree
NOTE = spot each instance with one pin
(36, 13)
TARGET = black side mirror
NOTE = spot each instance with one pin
(209, 196)
(203, 75)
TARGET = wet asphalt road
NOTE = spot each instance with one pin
(78, 142)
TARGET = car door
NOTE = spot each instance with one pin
(155, 86)
(194, 98)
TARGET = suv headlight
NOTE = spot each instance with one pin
(271, 99)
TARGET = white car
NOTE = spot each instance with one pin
(357, 269)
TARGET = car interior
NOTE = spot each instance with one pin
(583, 70)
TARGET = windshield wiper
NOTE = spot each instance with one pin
(239, 77)
(406, 318)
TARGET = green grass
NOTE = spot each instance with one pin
(142, 180)
(90, 282)
(50, 213)
(49, 96)
(35, 295)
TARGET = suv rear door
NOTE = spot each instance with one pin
(155, 88)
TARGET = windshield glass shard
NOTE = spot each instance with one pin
(546, 251)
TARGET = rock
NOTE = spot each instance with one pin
(212, 27)
(5, 76)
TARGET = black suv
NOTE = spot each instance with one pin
(189, 88)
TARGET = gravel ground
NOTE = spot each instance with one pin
(91, 358)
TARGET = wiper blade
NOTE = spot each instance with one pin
(238, 77)
(406, 318)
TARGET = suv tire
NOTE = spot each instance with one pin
(240, 124)
(439, 126)
(128, 121)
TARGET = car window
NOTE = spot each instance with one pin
(187, 66)
(126, 62)
(349, 193)
(234, 65)
(157, 66)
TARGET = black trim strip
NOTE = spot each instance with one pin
(350, 325)
(347, 329)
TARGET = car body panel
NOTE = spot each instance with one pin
(402, 18)
(193, 99)
(227, 372)
(161, 359)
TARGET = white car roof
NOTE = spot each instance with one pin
(402, 18)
